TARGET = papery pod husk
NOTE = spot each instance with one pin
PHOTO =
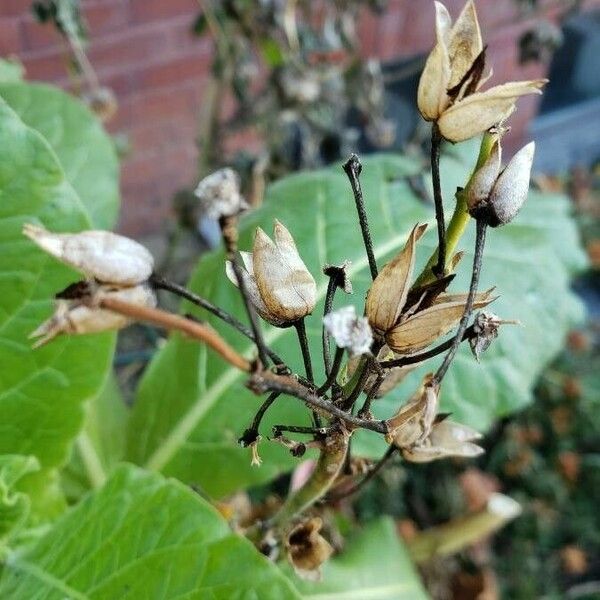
(307, 549)
(425, 327)
(388, 292)
(464, 44)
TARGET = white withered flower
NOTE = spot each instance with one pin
(101, 255)
(79, 316)
(446, 439)
(219, 194)
(448, 89)
(349, 331)
(497, 196)
(279, 285)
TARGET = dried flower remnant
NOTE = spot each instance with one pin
(219, 194)
(279, 285)
(485, 327)
(307, 549)
(101, 255)
(497, 196)
(448, 89)
(349, 331)
(446, 439)
(83, 315)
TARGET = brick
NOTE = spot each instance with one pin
(175, 70)
(156, 137)
(106, 16)
(10, 37)
(46, 66)
(155, 105)
(14, 8)
(155, 10)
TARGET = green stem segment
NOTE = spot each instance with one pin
(460, 217)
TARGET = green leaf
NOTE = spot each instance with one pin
(14, 505)
(191, 406)
(101, 443)
(142, 537)
(10, 70)
(85, 151)
(271, 52)
(373, 564)
(41, 392)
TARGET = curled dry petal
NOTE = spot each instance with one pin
(423, 328)
(482, 182)
(446, 439)
(387, 295)
(219, 194)
(307, 549)
(285, 285)
(101, 255)
(479, 111)
(485, 327)
(413, 422)
(81, 316)
(349, 331)
(433, 84)
(510, 191)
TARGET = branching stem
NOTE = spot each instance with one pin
(436, 141)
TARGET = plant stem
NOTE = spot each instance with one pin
(460, 216)
(260, 382)
(335, 369)
(366, 408)
(179, 290)
(352, 168)
(436, 141)
(301, 331)
(170, 322)
(417, 358)
(359, 386)
(331, 288)
(368, 477)
(230, 236)
(477, 260)
(251, 434)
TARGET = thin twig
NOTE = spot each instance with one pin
(417, 358)
(335, 369)
(366, 408)
(230, 237)
(360, 385)
(179, 290)
(371, 473)
(265, 380)
(279, 429)
(251, 434)
(352, 168)
(301, 331)
(170, 322)
(436, 140)
(331, 288)
(479, 246)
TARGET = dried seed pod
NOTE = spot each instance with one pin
(422, 329)
(101, 255)
(485, 327)
(388, 293)
(80, 316)
(279, 284)
(412, 424)
(496, 197)
(349, 331)
(452, 75)
(307, 549)
(219, 194)
(446, 439)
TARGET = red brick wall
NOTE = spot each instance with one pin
(142, 49)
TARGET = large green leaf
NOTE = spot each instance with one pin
(14, 505)
(41, 392)
(141, 537)
(191, 406)
(373, 565)
(101, 443)
(86, 153)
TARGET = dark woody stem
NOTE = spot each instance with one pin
(331, 288)
(286, 385)
(436, 140)
(366, 408)
(368, 477)
(352, 168)
(163, 284)
(360, 385)
(301, 331)
(279, 429)
(251, 434)
(335, 369)
(417, 358)
(477, 260)
(230, 234)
